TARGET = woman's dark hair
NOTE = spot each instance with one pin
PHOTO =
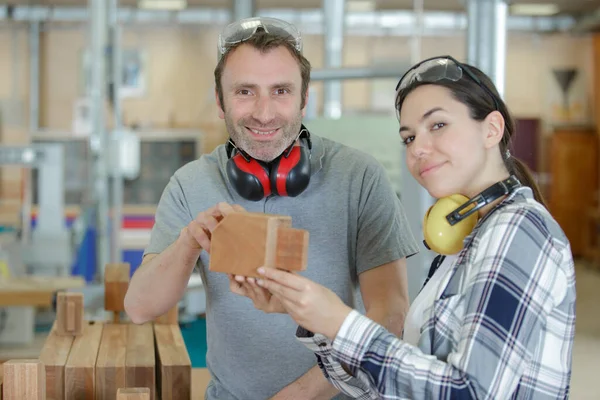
(481, 103)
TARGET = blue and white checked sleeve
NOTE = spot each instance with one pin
(507, 295)
(333, 370)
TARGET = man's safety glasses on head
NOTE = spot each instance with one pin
(244, 29)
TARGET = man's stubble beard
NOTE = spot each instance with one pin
(263, 151)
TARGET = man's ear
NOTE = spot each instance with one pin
(219, 105)
(494, 129)
(305, 104)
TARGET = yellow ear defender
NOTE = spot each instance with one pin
(439, 235)
(451, 219)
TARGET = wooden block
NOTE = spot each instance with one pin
(54, 355)
(140, 362)
(81, 364)
(117, 272)
(170, 317)
(243, 242)
(133, 394)
(292, 246)
(110, 364)
(69, 314)
(24, 380)
(174, 365)
(116, 282)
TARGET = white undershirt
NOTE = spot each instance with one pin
(421, 307)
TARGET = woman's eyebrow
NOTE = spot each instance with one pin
(427, 114)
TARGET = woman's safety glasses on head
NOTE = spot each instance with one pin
(437, 69)
(244, 29)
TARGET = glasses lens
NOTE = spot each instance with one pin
(432, 71)
(243, 30)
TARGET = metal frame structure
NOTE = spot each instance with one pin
(99, 39)
(486, 38)
(334, 12)
(486, 23)
(117, 135)
(310, 21)
(49, 250)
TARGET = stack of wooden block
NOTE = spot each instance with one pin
(104, 359)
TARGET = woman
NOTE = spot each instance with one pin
(496, 319)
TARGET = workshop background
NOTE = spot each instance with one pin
(102, 100)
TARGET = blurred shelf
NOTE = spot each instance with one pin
(144, 134)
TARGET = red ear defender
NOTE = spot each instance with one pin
(290, 173)
(249, 177)
(287, 175)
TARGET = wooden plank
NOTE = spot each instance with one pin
(170, 317)
(34, 290)
(110, 364)
(116, 282)
(39, 298)
(244, 241)
(140, 362)
(54, 355)
(35, 282)
(174, 365)
(69, 314)
(81, 364)
(200, 381)
(24, 380)
(596, 75)
(133, 394)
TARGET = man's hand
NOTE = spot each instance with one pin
(263, 300)
(197, 234)
(160, 282)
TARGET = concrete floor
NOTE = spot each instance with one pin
(586, 354)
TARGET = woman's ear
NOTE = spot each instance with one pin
(494, 129)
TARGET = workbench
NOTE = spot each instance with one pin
(82, 358)
(35, 290)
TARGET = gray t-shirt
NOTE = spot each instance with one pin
(355, 223)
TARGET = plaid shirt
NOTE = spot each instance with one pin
(502, 329)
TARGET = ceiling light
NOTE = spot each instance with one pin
(534, 9)
(162, 4)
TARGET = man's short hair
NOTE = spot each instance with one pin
(264, 42)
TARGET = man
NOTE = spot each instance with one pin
(358, 232)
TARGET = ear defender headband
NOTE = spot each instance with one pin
(451, 219)
(287, 175)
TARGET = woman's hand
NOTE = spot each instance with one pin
(263, 300)
(311, 305)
